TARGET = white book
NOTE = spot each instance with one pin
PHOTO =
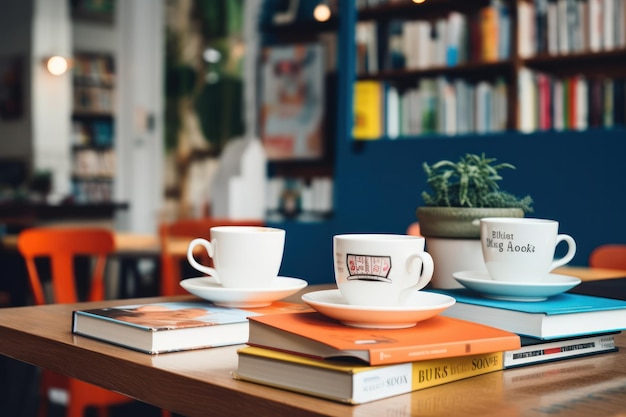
(393, 112)
(525, 99)
(462, 106)
(454, 38)
(449, 105)
(423, 58)
(582, 104)
(441, 104)
(405, 106)
(595, 25)
(553, 28)
(481, 107)
(500, 106)
(564, 30)
(557, 100)
(608, 25)
(471, 114)
(525, 24)
(417, 107)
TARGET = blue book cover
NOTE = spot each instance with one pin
(564, 315)
(565, 303)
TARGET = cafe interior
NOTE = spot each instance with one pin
(146, 118)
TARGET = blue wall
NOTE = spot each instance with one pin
(577, 178)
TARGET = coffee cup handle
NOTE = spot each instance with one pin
(571, 251)
(210, 251)
(426, 272)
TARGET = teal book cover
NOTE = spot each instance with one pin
(565, 303)
(563, 315)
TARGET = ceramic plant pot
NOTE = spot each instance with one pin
(453, 239)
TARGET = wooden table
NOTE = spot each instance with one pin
(590, 274)
(199, 383)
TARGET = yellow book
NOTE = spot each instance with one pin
(368, 110)
(356, 383)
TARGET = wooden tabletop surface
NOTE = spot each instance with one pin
(199, 383)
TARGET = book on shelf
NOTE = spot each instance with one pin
(369, 110)
(564, 315)
(313, 335)
(534, 351)
(171, 326)
(356, 383)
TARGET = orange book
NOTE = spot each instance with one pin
(317, 336)
(489, 32)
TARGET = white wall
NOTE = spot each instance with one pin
(139, 115)
(51, 95)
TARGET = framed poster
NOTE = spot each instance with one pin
(292, 102)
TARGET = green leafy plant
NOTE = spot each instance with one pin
(470, 182)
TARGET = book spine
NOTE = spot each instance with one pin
(388, 381)
(559, 350)
(369, 113)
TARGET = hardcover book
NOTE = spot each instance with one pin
(564, 315)
(535, 351)
(353, 383)
(171, 326)
(314, 335)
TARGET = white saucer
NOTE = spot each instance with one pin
(422, 305)
(481, 282)
(209, 289)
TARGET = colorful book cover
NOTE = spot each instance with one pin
(172, 326)
(352, 383)
(317, 336)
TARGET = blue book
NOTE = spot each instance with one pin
(564, 315)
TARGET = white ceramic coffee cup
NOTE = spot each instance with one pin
(243, 256)
(522, 249)
(380, 269)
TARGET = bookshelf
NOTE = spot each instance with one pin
(451, 67)
(93, 154)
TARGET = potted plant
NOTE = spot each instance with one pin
(461, 194)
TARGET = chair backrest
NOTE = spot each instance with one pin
(414, 229)
(61, 246)
(611, 256)
(174, 238)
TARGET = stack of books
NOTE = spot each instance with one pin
(313, 354)
(565, 326)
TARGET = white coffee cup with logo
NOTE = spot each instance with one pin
(380, 269)
(243, 256)
(522, 249)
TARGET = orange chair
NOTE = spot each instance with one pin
(612, 256)
(414, 229)
(61, 246)
(174, 238)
